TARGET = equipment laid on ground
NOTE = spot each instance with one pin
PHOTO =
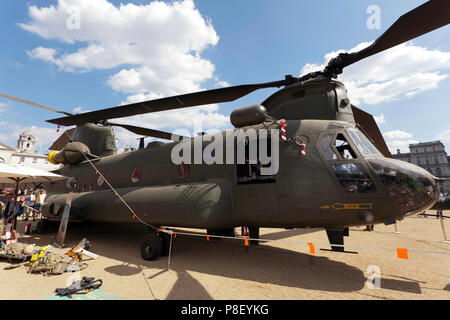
(82, 286)
(48, 262)
(16, 251)
(81, 249)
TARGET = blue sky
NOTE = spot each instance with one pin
(206, 44)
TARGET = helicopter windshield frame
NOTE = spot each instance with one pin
(346, 163)
(362, 143)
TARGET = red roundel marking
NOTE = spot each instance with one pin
(183, 171)
(136, 176)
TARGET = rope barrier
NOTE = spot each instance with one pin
(310, 244)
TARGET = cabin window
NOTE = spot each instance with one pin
(353, 178)
(249, 172)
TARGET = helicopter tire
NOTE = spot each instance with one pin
(151, 247)
(165, 244)
(254, 234)
(42, 226)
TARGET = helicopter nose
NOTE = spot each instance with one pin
(412, 188)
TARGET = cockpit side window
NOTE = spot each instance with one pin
(363, 144)
(344, 148)
(325, 147)
(352, 176)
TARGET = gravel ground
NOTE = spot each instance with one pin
(224, 269)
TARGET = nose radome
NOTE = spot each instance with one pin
(412, 188)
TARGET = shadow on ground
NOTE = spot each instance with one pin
(225, 258)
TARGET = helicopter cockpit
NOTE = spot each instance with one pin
(357, 164)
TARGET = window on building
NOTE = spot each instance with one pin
(438, 172)
(34, 160)
(22, 160)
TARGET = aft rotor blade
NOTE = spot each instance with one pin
(63, 139)
(430, 16)
(169, 103)
(149, 132)
(34, 104)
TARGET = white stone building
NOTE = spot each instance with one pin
(430, 156)
(25, 154)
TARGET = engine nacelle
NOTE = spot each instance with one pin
(71, 154)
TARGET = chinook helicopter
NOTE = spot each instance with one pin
(333, 168)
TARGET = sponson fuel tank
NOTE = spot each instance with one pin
(205, 203)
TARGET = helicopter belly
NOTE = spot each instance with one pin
(198, 205)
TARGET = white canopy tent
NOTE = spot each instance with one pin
(21, 174)
(15, 174)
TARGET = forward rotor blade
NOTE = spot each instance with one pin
(34, 104)
(169, 103)
(370, 128)
(149, 132)
(431, 15)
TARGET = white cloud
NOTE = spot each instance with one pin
(445, 138)
(3, 106)
(379, 119)
(204, 118)
(398, 139)
(397, 134)
(397, 73)
(158, 47)
(162, 43)
(44, 136)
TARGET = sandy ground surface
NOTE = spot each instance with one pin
(223, 269)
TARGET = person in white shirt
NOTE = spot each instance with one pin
(29, 202)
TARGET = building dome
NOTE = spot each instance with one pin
(27, 132)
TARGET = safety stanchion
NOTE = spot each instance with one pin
(170, 249)
(441, 219)
(312, 250)
(402, 253)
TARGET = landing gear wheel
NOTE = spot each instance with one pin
(42, 226)
(151, 247)
(254, 234)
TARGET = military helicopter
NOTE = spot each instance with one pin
(334, 169)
